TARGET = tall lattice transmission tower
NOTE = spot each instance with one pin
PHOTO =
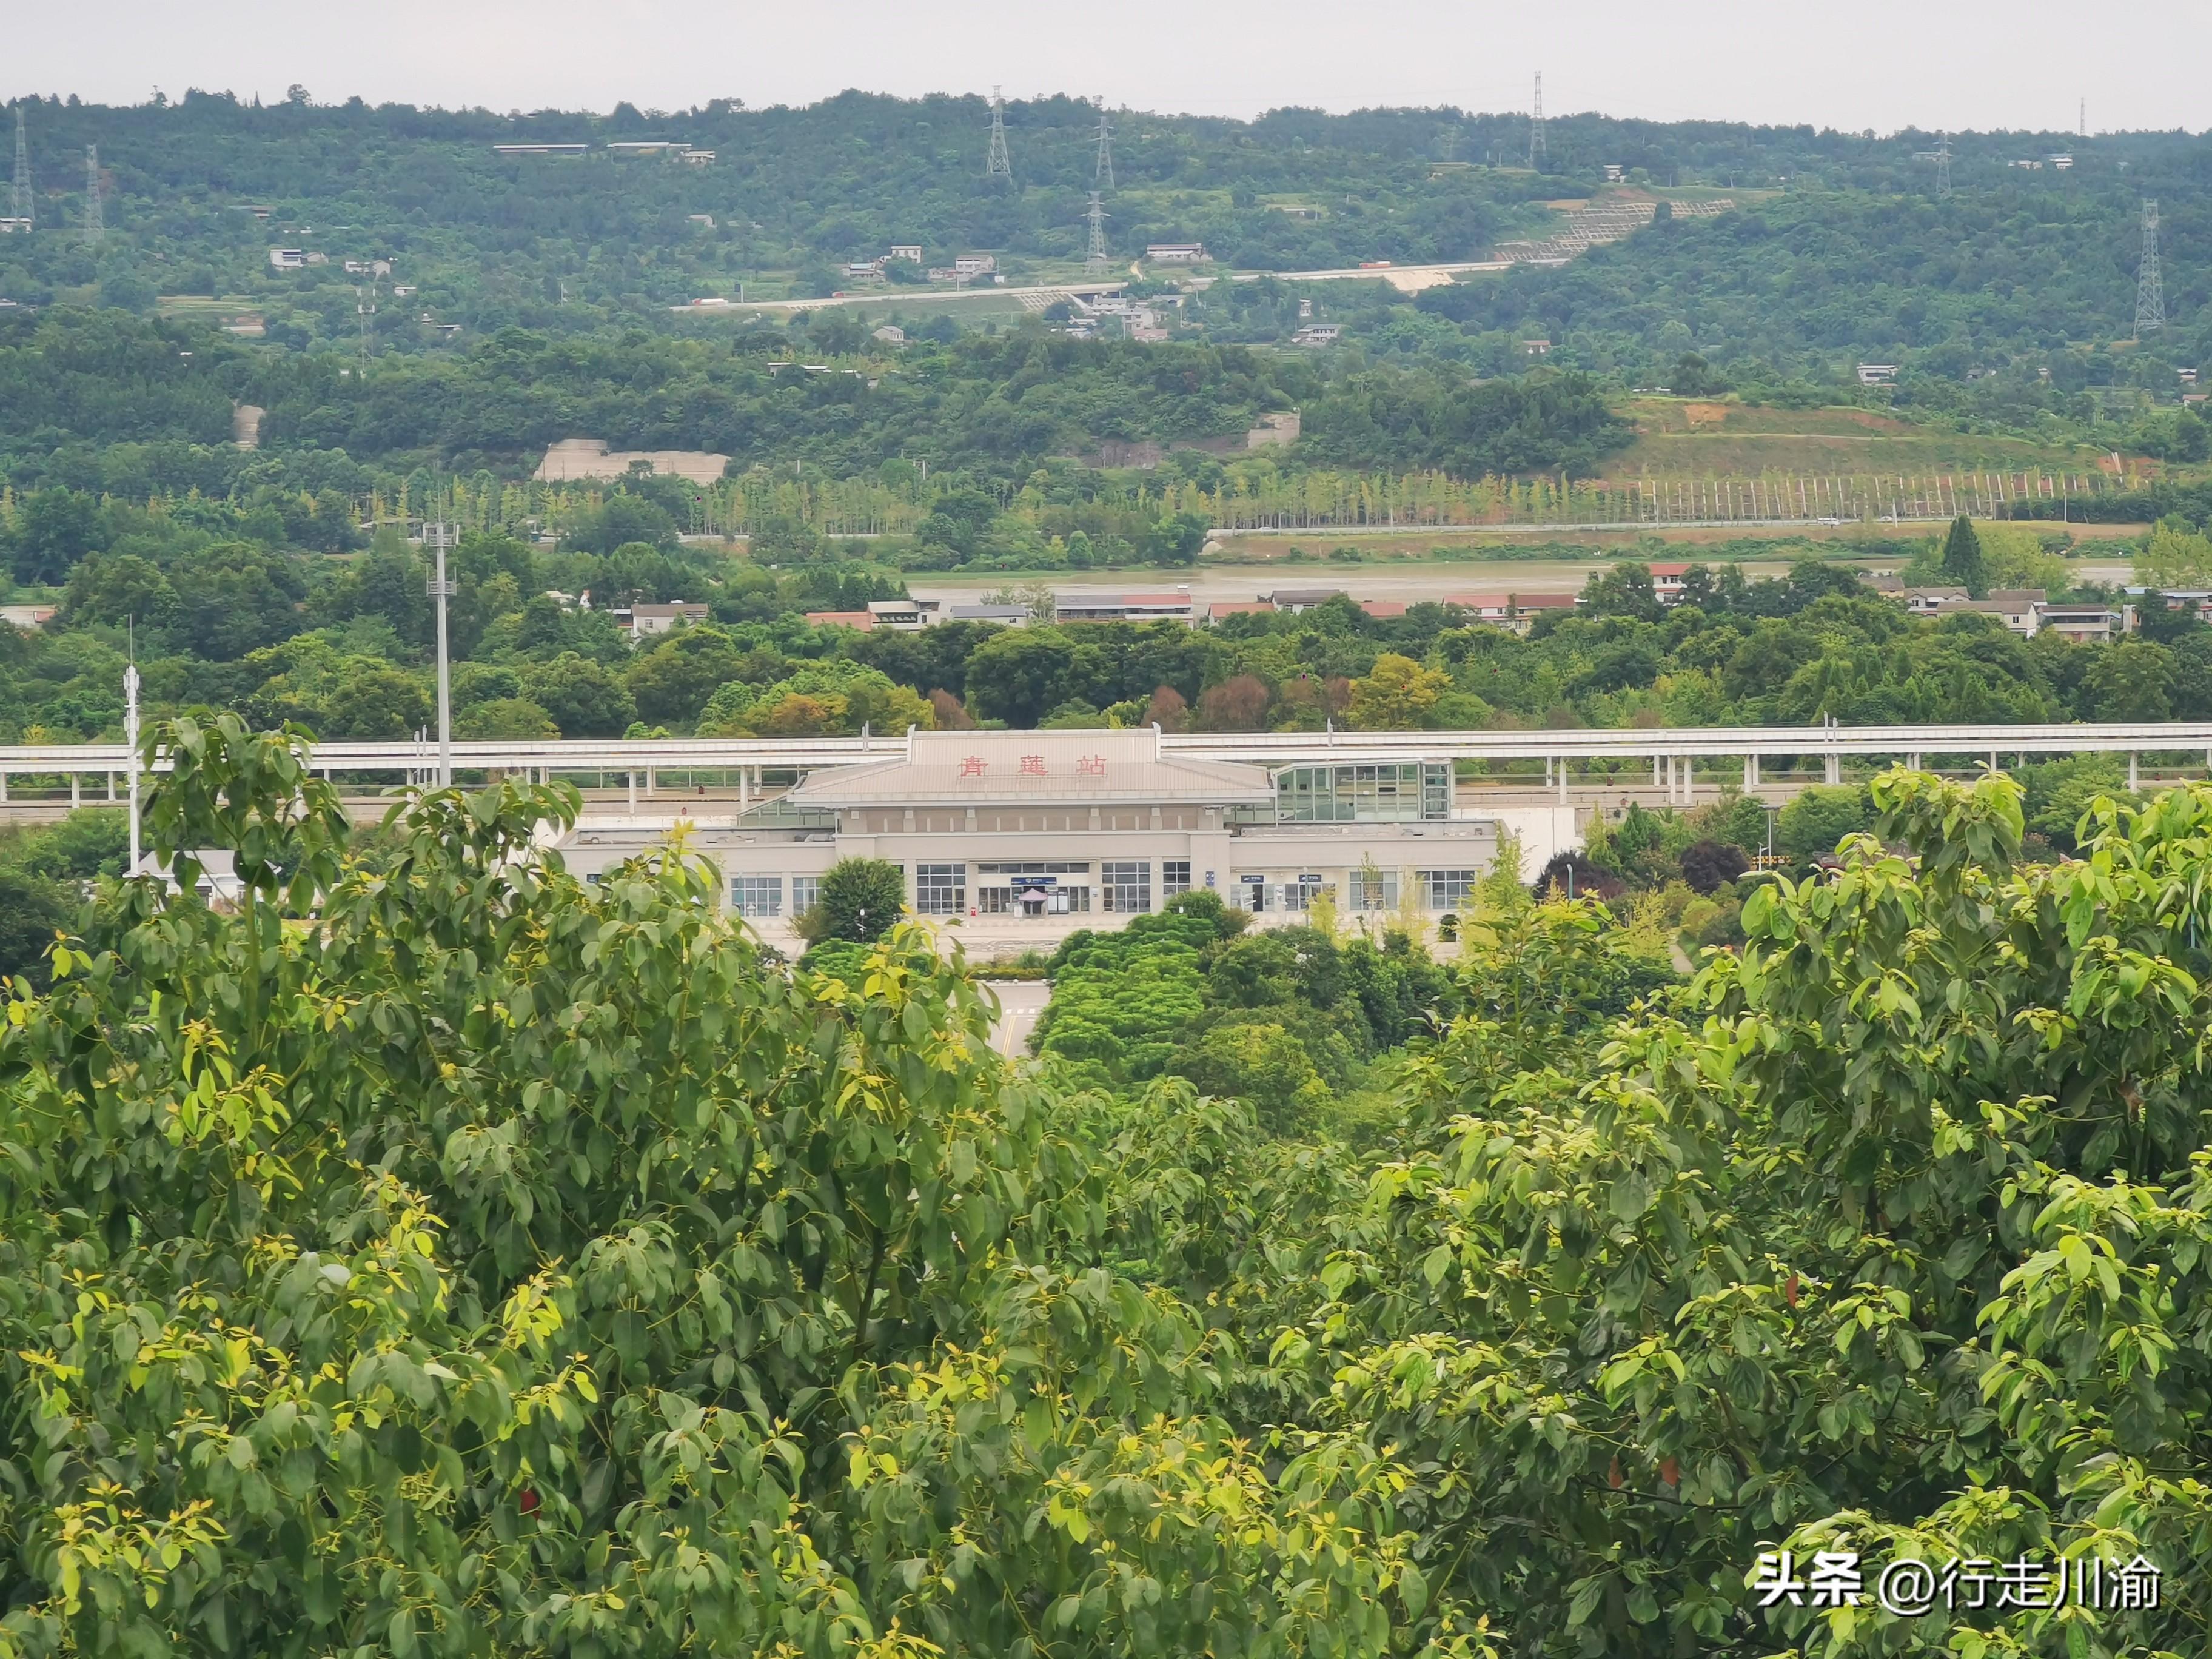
(1095, 261)
(1942, 165)
(998, 164)
(1102, 174)
(19, 200)
(2150, 294)
(95, 221)
(1536, 123)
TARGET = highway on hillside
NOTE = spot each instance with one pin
(1398, 275)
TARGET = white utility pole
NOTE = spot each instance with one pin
(440, 537)
(131, 742)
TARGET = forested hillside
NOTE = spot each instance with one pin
(1838, 245)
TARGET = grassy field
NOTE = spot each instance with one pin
(1677, 436)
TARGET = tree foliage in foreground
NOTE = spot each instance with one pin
(493, 1265)
(1892, 1235)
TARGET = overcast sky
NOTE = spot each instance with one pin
(1880, 64)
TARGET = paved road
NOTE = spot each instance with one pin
(1403, 277)
(1020, 1002)
(893, 296)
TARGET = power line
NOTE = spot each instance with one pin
(95, 221)
(1536, 123)
(1942, 166)
(1095, 262)
(1102, 174)
(998, 164)
(19, 202)
(2150, 294)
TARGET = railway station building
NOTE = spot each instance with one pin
(1022, 837)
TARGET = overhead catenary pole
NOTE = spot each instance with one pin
(439, 536)
(1536, 123)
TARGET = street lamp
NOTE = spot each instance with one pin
(438, 537)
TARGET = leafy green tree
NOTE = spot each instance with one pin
(1175, 539)
(1020, 674)
(33, 910)
(1813, 823)
(120, 589)
(583, 698)
(1262, 1063)
(860, 900)
(958, 520)
(672, 681)
(506, 717)
(1962, 563)
(2133, 680)
(54, 529)
(376, 700)
(1397, 694)
(234, 597)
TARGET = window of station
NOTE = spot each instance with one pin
(1448, 889)
(940, 890)
(757, 896)
(1374, 890)
(1388, 792)
(1175, 878)
(1128, 887)
(805, 893)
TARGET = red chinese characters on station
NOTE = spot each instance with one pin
(1090, 765)
(972, 766)
(1033, 766)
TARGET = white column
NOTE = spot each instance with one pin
(632, 791)
(1750, 772)
(1835, 772)
(76, 789)
(1658, 770)
(1913, 761)
(2133, 784)
(651, 776)
(3, 779)
(1561, 765)
(745, 788)
(1993, 760)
